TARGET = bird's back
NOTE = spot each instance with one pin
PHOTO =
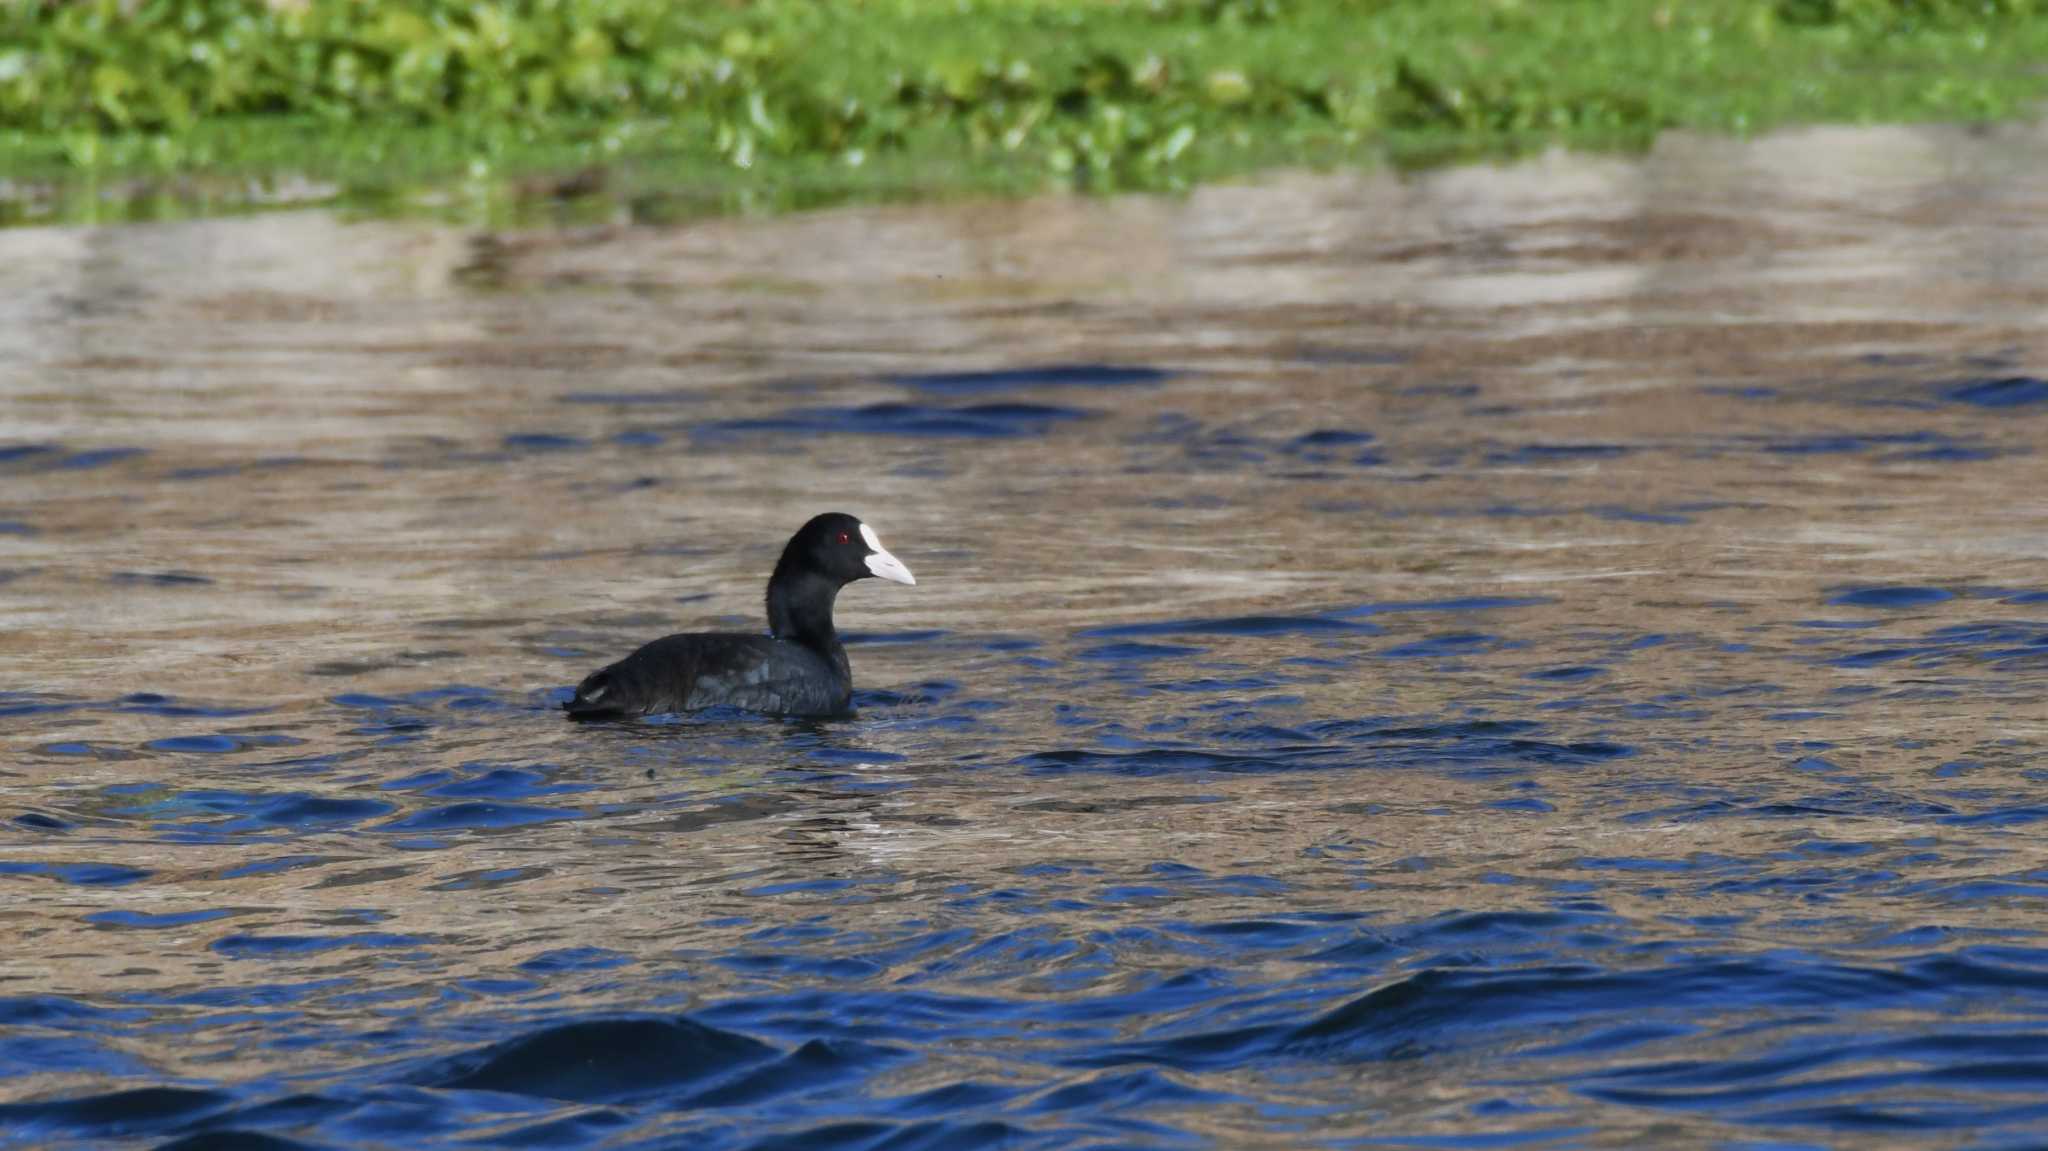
(696, 670)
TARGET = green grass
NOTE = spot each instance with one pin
(784, 102)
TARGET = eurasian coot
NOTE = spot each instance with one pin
(799, 668)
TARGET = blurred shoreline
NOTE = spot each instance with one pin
(573, 110)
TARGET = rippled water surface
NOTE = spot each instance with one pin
(1548, 655)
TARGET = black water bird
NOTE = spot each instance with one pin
(799, 668)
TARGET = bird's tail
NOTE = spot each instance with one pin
(597, 696)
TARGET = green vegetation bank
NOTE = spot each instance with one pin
(800, 99)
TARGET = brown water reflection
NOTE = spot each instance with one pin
(1674, 404)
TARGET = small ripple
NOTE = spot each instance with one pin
(1136, 652)
(503, 783)
(478, 815)
(151, 703)
(146, 921)
(544, 442)
(243, 946)
(1530, 454)
(1892, 597)
(1999, 392)
(1248, 625)
(1443, 646)
(1047, 376)
(1569, 674)
(576, 959)
(162, 579)
(79, 874)
(969, 421)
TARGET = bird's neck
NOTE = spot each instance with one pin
(800, 611)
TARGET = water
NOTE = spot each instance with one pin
(1545, 655)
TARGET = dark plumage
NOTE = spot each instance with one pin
(799, 668)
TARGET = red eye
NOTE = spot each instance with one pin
(844, 538)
